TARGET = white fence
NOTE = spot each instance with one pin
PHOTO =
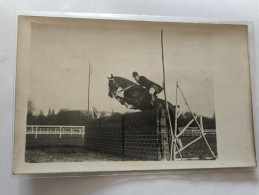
(55, 130)
(194, 131)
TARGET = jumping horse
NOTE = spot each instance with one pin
(137, 97)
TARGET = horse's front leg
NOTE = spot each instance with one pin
(123, 101)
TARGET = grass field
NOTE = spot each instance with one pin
(199, 149)
(68, 154)
(54, 140)
(50, 148)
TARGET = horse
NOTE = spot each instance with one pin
(135, 96)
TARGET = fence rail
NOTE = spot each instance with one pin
(55, 130)
(194, 131)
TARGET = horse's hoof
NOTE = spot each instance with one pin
(130, 107)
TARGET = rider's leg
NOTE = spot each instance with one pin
(152, 95)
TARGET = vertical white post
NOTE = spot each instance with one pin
(60, 131)
(201, 124)
(36, 134)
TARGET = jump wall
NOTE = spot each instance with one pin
(141, 135)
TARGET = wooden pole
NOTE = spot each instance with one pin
(89, 80)
(167, 110)
(175, 122)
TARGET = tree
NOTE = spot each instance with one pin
(30, 106)
(30, 119)
(41, 118)
(49, 112)
(30, 110)
(50, 118)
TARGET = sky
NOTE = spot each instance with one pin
(60, 55)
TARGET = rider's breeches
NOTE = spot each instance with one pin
(152, 91)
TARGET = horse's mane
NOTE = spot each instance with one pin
(124, 82)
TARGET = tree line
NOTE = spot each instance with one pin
(81, 117)
(62, 117)
(208, 122)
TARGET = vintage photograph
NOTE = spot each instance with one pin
(97, 93)
(112, 90)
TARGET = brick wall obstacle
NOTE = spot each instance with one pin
(105, 134)
(141, 135)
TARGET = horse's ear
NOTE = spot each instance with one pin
(111, 75)
(107, 77)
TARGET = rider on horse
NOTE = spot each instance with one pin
(152, 87)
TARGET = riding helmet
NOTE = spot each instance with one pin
(134, 74)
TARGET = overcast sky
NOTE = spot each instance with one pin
(60, 55)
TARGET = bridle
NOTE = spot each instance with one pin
(116, 92)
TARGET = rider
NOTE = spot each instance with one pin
(152, 87)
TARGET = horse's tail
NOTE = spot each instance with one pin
(171, 107)
(162, 105)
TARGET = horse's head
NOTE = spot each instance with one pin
(113, 86)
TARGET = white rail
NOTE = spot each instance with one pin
(194, 131)
(55, 130)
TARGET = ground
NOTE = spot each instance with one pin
(68, 154)
(199, 149)
(77, 153)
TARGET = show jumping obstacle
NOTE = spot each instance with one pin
(175, 137)
(175, 145)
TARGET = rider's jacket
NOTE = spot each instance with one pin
(143, 81)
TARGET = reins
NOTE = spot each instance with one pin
(117, 92)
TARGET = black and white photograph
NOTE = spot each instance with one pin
(111, 90)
